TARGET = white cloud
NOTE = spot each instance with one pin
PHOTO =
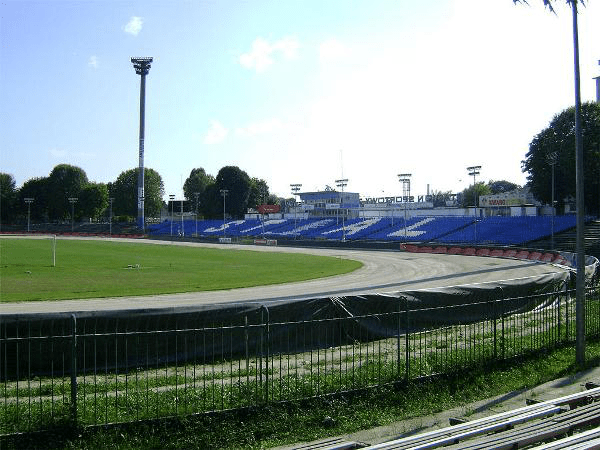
(93, 61)
(216, 133)
(262, 54)
(134, 26)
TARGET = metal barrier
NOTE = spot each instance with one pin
(98, 376)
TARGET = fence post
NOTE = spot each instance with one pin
(266, 341)
(247, 352)
(567, 307)
(558, 314)
(407, 341)
(74, 369)
(398, 333)
(495, 319)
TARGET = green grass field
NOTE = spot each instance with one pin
(97, 268)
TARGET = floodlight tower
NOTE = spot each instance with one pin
(295, 187)
(474, 170)
(341, 184)
(29, 201)
(404, 178)
(224, 193)
(142, 67)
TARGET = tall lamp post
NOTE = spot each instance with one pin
(474, 170)
(29, 201)
(172, 201)
(341, 184)
(110, 202)
(182, 229)
(142, 67)
(551, 159)
(295, 187)
(224, 193)
(196, 194)
(404, 178)
(72, 201)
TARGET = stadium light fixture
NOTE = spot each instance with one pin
(196, 194)
(224, 193)
(552, 159)
(404, 178)
(172, 201)
(29, 201)
(341, 184)
(72, 200)
(295, 187)
(474, 170)
(110, 201)
(142, 67)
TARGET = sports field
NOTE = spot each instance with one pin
(104, 268)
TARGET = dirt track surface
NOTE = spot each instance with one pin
(382, 271)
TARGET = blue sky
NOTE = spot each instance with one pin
(297, 91)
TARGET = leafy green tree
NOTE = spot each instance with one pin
(556, 143)
(93, 200)
(36, 188)
(8, 197)
(259, 192)
(502, 186)
(64, 181)
(237, 182)
(197, 183)
(471, 195)
(439, 198)
(124, 191)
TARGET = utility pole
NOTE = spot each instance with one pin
(142, 67)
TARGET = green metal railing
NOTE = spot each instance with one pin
(98, 376)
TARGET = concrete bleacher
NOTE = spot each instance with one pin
(537, 423)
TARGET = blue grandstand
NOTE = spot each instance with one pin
(444, 230)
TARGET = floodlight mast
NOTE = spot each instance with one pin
(474, 170)
(142, 67)
(404, 178)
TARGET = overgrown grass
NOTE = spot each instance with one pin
(96, 269)
(288, 423)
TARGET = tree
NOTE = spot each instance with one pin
(259, 193)
(8, 197)
(36, 188)
(196, 183)
(502, 186)
(237, 182)
(124, 191)
(93, 200)
(439, 198)
(470, 196)
(65, 181)
(557, 143)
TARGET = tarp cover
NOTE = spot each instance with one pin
(134, 338)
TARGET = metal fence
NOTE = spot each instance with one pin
(96, 376)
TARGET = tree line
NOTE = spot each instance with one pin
(551, 150)
(68, 193)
